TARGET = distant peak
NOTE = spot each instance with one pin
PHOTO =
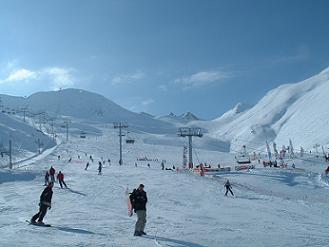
(189, 116)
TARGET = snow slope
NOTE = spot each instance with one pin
(273, 207)
(25, 139)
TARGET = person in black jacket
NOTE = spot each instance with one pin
(228, 188)
(138, 200)
(45, 203)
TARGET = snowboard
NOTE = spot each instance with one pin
(129, 205)
(38, 224)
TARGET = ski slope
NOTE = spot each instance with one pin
(273, 207)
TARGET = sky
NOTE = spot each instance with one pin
(161, 56)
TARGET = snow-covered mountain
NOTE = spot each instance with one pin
(181, 119)
(293, 111)
(298, 111)
(88, 106)
(189, 116)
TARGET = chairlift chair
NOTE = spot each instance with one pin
(129, 140)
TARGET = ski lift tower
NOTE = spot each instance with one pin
(189, 132)
(120, 126)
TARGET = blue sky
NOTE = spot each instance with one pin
(162, 56)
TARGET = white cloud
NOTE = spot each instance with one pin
(60, 77)
(20, 75)
(55, 77)
(202, 78)
(127, 78)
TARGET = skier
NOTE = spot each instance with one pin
(46, 178)
(45, 203)
(52, 174)
(60, 178)
(148, 165)
(228, 187)
(87, 165)
(99, 168)
(162, 166)
(109, 161)
(135, 164)
(138, 200)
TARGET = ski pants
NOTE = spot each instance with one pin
(228, 189)
(41, 214)
(141, 220)
(61, 182)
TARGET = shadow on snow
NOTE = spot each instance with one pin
(181, 243)
(73, 230)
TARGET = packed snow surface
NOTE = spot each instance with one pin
(272, 207)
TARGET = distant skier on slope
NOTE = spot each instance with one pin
(45, 203)
(138, 200)
(99, 168)
(228, 187)
(52, 174)
(60, 178)
(87, 165)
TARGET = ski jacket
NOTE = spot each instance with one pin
(138, 200)
(227, 184)
(52, 171)
(46, 196)
(60, 176)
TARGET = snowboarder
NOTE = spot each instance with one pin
(60, 178)
(45, 203)
(52, 174)
(46, 178)
(99, 168)
(138, 200)
(87, 165)
(228, 187)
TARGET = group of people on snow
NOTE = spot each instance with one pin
(138, 198)
(51, 173)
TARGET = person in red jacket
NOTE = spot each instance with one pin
(60, 178)
(52, 174)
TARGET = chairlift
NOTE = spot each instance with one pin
(83, 134)
(129, 140)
